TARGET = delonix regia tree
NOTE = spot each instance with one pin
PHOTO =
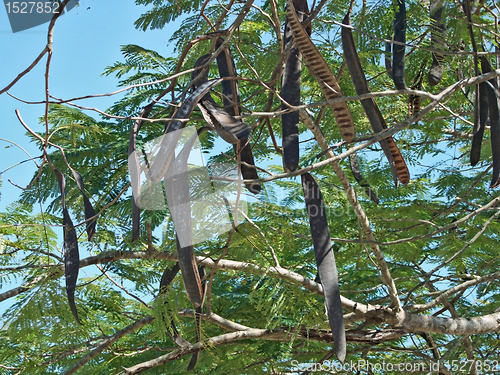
(392, 224)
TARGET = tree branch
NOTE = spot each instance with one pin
(108, 342)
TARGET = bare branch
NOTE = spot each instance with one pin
(108, 342)
(26, 71)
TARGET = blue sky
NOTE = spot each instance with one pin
(86, 40)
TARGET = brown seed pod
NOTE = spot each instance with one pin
(320, 70)
(377, 121)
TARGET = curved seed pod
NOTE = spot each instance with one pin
(71, 253)
(438, 34)
(321, 71)
(199, 311)
(177, 190)
(398, 51)
(243, 150)
(480, 118)
(166, 279)
(168, 276)
(492, 89)
(190, 275)
(204, 79)
(187, 107)
(89, 209)
(290, 92)
(391, 150)
(325, 261)
(388, 62)
(166, 151)
(356, 171)
(231, 99)
(226, 125)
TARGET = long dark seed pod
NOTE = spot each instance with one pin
(391, 150)
(325, 261)
(492, 89)
(472, 38)
(480, 117)
(388, 61)
(482, 95)
(204, 79)
(398, 50)
(89, 209)
(356, 171)
(320, 70)
(226, 125)
(290, 92)
(71, 253)
(231, 99)
(438, 34)
(166, 279)
(199, 311)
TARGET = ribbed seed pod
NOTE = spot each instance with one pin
(320, 70)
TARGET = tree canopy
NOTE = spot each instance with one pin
(417, 257)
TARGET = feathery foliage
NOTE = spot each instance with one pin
(435, 239)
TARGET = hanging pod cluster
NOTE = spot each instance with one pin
(487, 110)
(298, 37)
(166, 164)
(486, 107)
(298, 41)
(222, 120)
